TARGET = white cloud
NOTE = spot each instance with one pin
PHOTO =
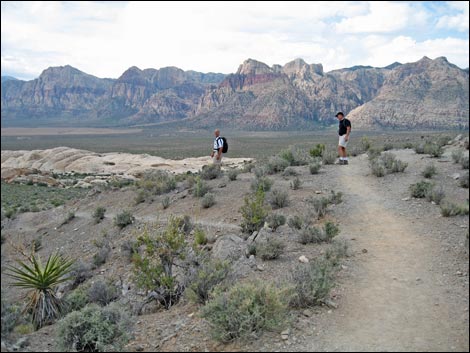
(104, 39)
(459, 21)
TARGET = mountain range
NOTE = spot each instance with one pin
(422, 95)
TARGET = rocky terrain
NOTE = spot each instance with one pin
(427, 94)
(402, 285)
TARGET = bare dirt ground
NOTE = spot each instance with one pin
(403, 288)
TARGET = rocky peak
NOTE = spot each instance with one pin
(252, 67)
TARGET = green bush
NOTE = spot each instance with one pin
(207, 276)
(435, 195)
(457, 156)
(246, 310)
(100, 258)
(279, 198)
(123, 219)
(141, 196)
(77, 299)
(377, 168)
(295, 156)
(433, 149)
(210, 172)
(317, 151)
(233, 174)
(157, 182)
(208, 200)
(295, 184)
(311, 283)
(94, 329)
(311, 234)
(388, 146)
(320, 205)
(331, 230)
(429, 171)
(373, 153)
(337, 251)
(260, 171)
(254, 212)
(365, 143)
(11, 316)
(200, 188)
(450, 209)
(270, 249)
(290, 172)
(420, 189)
(129, 248)
(166, 202)
(102, 293)
(295, 222)
(275, 165)
(464, 181)
(315, 167)
(408, 145)
(262, 183)
(276, 220)
(398, 166)
(153, 269)
(329, 156)
(335, 197)
(98, 214)
(200, 237)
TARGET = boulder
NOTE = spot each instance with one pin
(228, 247)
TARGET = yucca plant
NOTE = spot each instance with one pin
(43, 304)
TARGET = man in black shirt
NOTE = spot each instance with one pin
(344, 131)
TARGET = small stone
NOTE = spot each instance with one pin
(418, 279)
(395, 279)
(303, 259)
(75, 229)
(318, 192)
(406, 199)
(139, 348)
(285, 334)
(344, 267)
(191, 315)
(222, 185)
(456, 176)
(260, 268)
(364, 251)
(459, 273)
(307, 313)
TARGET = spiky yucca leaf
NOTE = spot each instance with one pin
(42, 280)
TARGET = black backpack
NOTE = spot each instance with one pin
(225, 147)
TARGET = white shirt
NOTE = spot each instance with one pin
(218, 143)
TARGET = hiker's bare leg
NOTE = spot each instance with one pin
(340, 152)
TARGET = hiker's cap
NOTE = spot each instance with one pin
(339, 113)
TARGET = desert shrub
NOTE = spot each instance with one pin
(209, 172)
(429, 171)
(337, 251)
(295, 222)
(276, 164)
(295, 184)
(36, 244)
(433, 149)
(398, 166)
(94, 329)
(314, 167)
(295, 156)
(279, 198)
(317, 151)
(157, 182)
(24, 329)
(207, 276)
(100, 258)
(260, 171)
(464, 162)
(123, 219)
(129, 248)
(435, 195)
(166, 202)
(11, 316)
(373, 153)
(153, 269)
(79, 273)
(311, 283)
(70, 215)
(246, 310)
(331, 230)
(443, 140)
(185, 224)
(450, 209)
(200, 188)
(141, 196)
(98, 214)
(457, 156)
(420, 189)
(329, 156)
(233, 174)
(270, 249)
(208, 200)
(77, 299)
(311, 234)
(365, 143)
(276, 220)
(254, 212)
(102, 293)
(43, 304)
(335, 197)
(388, 146)
(408, 145)
(464, 181)
(290, 172)
(248, 167)
(200, 237)
(320, 205)
(262, 183)
(377, 168)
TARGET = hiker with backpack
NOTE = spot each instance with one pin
(220, 146)
(343, 132)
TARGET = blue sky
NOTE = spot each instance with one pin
(106, 38)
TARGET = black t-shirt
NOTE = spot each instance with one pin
(343, 125)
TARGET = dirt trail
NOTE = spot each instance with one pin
(395, 301)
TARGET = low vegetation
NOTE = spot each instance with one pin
(254, 212)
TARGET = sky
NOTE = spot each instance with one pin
(106, 38)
